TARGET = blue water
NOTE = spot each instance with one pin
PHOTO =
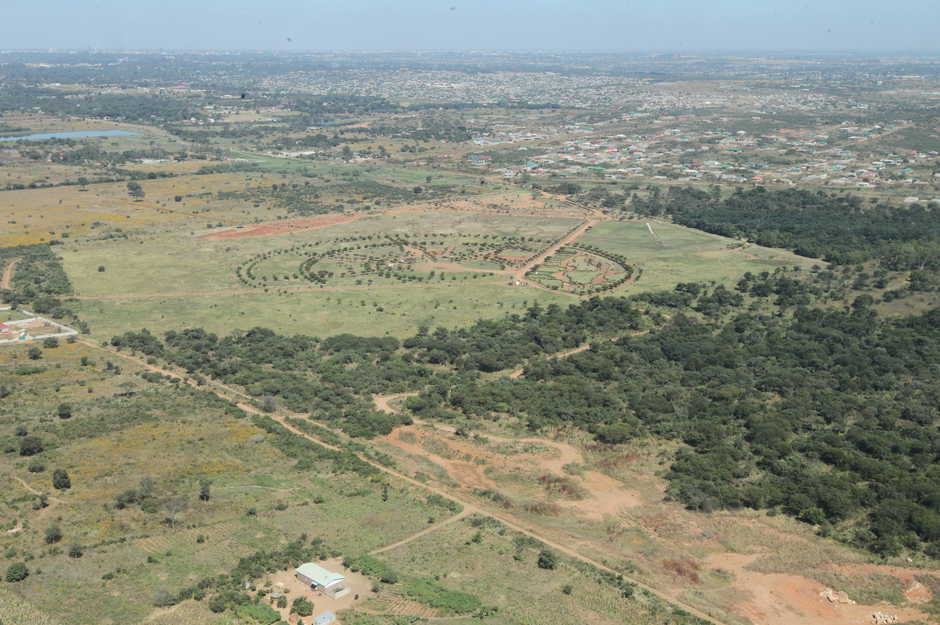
(75, 134)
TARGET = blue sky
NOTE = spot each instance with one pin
(606, 25)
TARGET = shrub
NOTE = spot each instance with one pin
(372, 567)
(61, 479)
(163, 599)
(547, 559)
(30, 446)
(431, 593)
(17, 572)
(76, 551)
(218, 604)
(64, 411)
(53, 534)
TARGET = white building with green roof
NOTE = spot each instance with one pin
(321, 580)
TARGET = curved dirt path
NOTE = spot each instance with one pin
(469, 506)
(6, 281)
(518, 372)
(567, 453)
(52, 501)
(384, 402)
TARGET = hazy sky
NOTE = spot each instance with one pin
(609, 25)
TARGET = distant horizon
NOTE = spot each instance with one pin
(625, 26)
(637, 52)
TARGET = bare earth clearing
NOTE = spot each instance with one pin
(287, 226)
(770, 598)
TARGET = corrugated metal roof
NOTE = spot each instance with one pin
(319, 575)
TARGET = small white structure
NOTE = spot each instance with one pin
(319, 579)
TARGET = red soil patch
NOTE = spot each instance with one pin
(778, 599)
(683, 568)
(284, 227)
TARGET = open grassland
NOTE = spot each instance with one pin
(161, 439)
(175, 261)
(70, 212)
(498, 567)
(172, 279)
(394, 311)
(674, 254)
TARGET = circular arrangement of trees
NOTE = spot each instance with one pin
(582, 269)
(363, 259)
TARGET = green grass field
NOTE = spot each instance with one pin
(678, 254)
(320, 313)
(500, 568)
(176, 261)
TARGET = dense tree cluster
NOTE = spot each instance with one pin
(330, 380)
(828, 414)
(39, 272)
(839, 228)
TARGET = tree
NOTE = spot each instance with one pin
(64, 411)
(50, 342)
(547, 559)
(76, 551)
(135, 190)
(301, 607)
(347, 153)
(83, 183)
(164, 599)
(53, 534)
(17, 572)
(34, 353)
(61, 479)
(30, 445)
(218, 603)
(204, 486)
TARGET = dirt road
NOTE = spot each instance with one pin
(554, 247)
(469, 506)
(460, 515)
(6, 281)
(517, 373)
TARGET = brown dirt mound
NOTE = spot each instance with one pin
(286, 226)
